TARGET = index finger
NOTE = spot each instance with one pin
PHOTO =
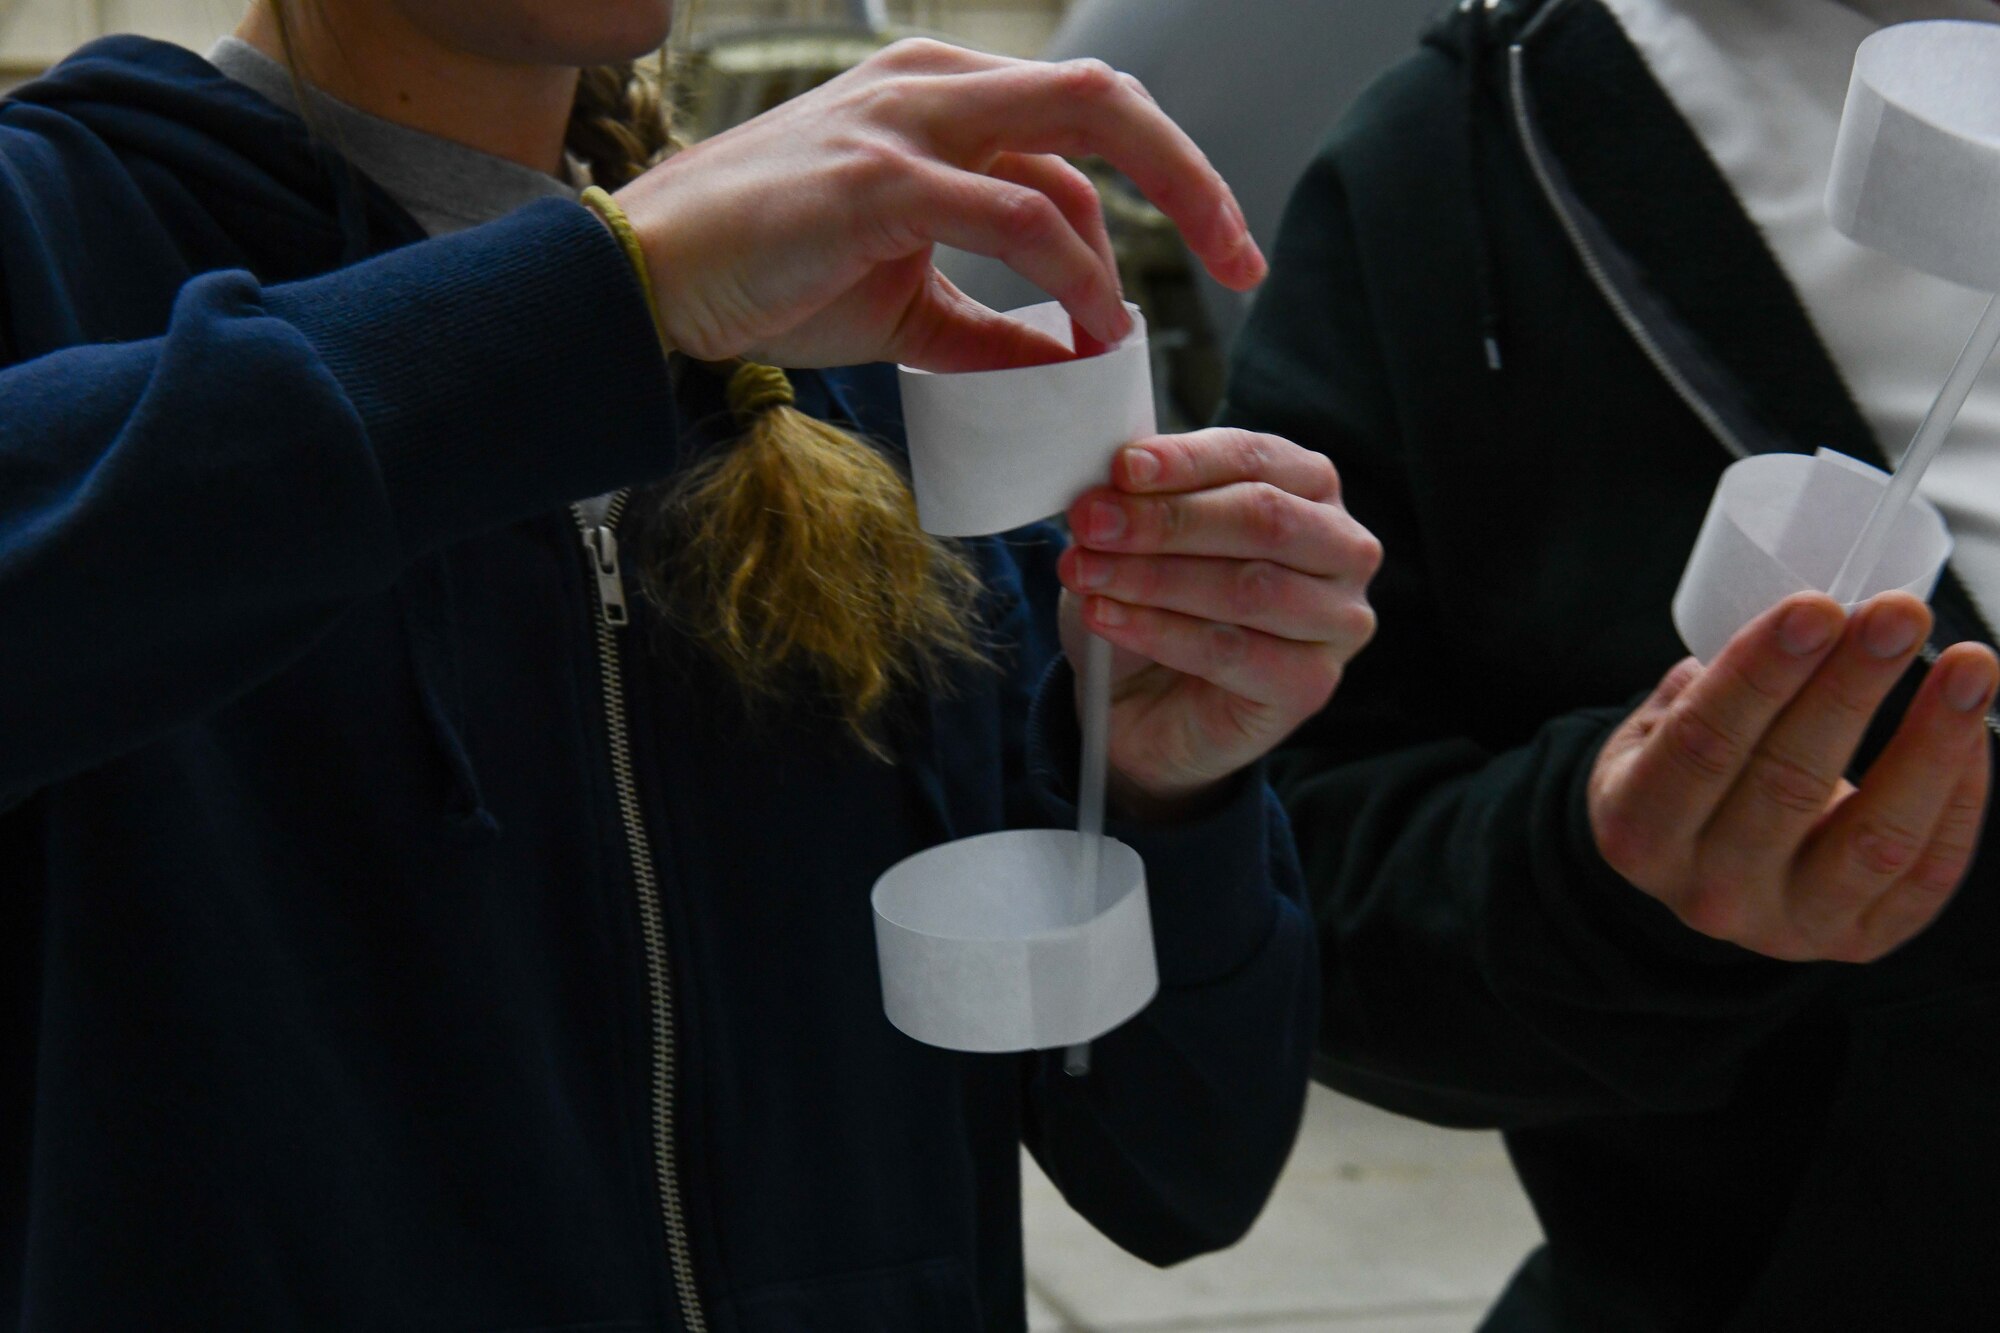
(1220, 456)
(1084, 107)
(1689, 762)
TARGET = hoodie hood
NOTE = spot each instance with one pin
(145, 145)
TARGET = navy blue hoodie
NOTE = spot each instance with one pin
(389, 939)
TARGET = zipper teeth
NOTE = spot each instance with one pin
(1531, 146)
(652, 928)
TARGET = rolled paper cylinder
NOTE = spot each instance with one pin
(1783, 523)
(994, 450)
(1916, 168)
(983, 947)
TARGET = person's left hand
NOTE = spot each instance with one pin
(1223, 568)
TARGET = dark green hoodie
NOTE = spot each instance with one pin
(1519, 307)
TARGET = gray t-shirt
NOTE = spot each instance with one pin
(445, 186)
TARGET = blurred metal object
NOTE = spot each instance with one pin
(734, 73)
(728, 77)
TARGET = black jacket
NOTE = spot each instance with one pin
(1522, 311)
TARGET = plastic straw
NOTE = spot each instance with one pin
(1867, 550)
(1090, 799)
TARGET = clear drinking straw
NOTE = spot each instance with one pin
(1090, 800)
(1866, 552)
(1096, 758)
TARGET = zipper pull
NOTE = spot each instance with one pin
(602, 544)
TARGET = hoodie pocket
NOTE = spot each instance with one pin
(932, 1296)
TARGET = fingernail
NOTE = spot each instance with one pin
(1107, 521)
(1966, 685)
(1805, 630)
(1107, 612)
(1092, 571)
(1142, 466)
(1889, 634)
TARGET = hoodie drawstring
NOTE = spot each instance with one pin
(1476, 14)
(424, 595)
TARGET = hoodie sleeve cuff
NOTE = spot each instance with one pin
(1209, 880)
(497, 372)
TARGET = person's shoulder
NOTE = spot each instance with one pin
(1424, 100)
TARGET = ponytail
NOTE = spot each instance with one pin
(798, 546)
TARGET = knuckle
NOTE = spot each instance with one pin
(1090, 79)
(1937, 876)
(1255, 590)
(1357, 625)
(1763, 681)
(1699, 744)
(1366, 556)
(1227, 646)
(1027, 219)
(1270, 519)
(1882, 846)
(1324, 471)
(1841, 694)
(1133, 84)
(1789, 784)
(1253, 453)
(867, 164)
(913, 53)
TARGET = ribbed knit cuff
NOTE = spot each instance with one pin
(499, 372)
(1209, 880)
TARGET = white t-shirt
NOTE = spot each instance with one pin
(1762, 84)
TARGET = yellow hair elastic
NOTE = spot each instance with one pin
(598, 201)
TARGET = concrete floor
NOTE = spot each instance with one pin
(1380, 1225)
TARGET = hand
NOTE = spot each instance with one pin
(804, 236)
(1723, 795)
(1223, 568)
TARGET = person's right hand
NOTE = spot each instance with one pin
(1723, 796)
(803, 237)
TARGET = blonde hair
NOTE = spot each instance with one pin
(796, 547)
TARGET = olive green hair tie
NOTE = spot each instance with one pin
(598, 201)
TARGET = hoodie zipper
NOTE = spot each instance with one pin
(598, 522)
(1559, 202)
